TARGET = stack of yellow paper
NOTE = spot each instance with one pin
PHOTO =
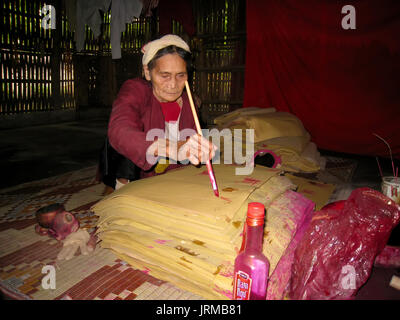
(174, 227)
(281, 132)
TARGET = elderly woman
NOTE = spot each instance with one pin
(151, 119)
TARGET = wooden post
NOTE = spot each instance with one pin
(56, 58)
(153, 24)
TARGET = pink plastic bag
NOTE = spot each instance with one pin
(336, 254)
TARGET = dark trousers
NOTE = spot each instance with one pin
(113, 165)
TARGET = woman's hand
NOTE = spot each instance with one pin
(195, 149)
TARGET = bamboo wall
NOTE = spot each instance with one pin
(100, 77)
(36, 75)
(219, 55)
(41, 70)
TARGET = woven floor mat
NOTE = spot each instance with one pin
(337, 171)
(24, 254)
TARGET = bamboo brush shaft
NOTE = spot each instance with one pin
(196, 120)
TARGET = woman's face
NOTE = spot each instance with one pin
(167, 77)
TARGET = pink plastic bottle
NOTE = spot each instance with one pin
(251, 266)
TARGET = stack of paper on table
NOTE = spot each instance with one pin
(174, 227)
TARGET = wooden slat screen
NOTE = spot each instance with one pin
(25, 58)
(136, 34)
(26, 52)
(219, 54)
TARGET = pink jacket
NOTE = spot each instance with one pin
(135, 111)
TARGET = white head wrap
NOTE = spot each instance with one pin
(150, 49)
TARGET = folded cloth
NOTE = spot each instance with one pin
(87, 13)
(122, 12)
(75, 240)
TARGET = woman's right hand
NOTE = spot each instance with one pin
(196, 149)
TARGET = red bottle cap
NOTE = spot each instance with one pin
(255, 214)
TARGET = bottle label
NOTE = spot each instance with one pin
(242, 286)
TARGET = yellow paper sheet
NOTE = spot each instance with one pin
(316, 191)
